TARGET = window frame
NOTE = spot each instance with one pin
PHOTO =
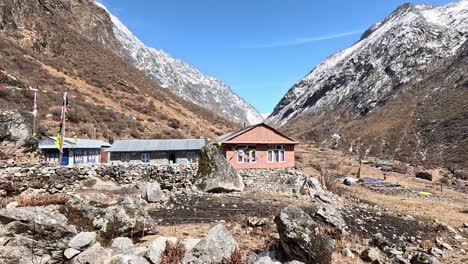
(145, 157)
(241, 159)
(277, 153)
(125, 157)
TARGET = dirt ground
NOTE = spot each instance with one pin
(398, 215)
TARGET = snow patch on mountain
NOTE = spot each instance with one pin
(183, 79)
(386, 57)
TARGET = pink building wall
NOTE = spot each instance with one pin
(261, 136)
(261, 154)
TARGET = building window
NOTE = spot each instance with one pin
(246, 154)
(125, 157)
(190, 156)
(276, 153)
(52, 157)
(145, 157)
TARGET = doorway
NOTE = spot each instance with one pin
(172, 158)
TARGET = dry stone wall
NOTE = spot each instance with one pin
(55, 179)
(273, 180)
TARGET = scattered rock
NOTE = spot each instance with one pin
(69, 253)
(152, 193)
(189, 243)
(372, 255)
(266, 260)
(129, 259)
(254, 221)
(301, 238)
(122, 245)
(330, 215)
(95, 254)
(436, 252)
(82, 240)
(157, 247)
(215, 174)
(217, 244)
(347, 252)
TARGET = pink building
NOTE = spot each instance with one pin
(258, 147)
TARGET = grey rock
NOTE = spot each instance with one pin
(129, 259)
(372, 255)
(69, 253)
(32, 217)
(82, 240)
(330, 215)
(436, 252)
(301, 238)
(152, 193)
(311, 187)
(95, 254)
(215, 174)
(122, 245)
(217, 244)
(294, 262)
(347, 252)
(266, 260)
(157, 247)
(189, 243)
(254, 221)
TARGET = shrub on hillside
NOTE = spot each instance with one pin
(424, 175)
(174, 123)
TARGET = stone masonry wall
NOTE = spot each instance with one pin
(56, 179)
(273, 180)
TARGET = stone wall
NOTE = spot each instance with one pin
(62, 179)
(273, 180)
(56, 179)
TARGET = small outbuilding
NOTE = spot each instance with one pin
(161, 151)
(75, 151)
(258, 147)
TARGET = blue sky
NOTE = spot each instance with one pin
(258, 47)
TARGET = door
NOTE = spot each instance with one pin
(172, 158)
(64, 160)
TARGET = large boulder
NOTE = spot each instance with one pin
(15, 134)
(157, 247)
(96, 254)
(25, 219)
(330, 215)
(215, 174)
(152, 193)
(217, 244)
(301, 238)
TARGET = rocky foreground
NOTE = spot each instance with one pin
(186, 214)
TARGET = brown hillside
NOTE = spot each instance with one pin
(69, 45)
(427, 123)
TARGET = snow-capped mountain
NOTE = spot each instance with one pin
(183, 79)
(387, 56)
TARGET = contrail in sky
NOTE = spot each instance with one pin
(300, 41)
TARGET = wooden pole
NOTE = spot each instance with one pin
(62, 130)
(34, 114)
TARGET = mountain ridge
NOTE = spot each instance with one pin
(183, 79)
(354, 85)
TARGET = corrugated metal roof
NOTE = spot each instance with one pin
(228, 136)
(48, 143)
(157, 145)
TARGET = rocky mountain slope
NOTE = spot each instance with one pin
(69, 45)
(183, 79)
(399, 91)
